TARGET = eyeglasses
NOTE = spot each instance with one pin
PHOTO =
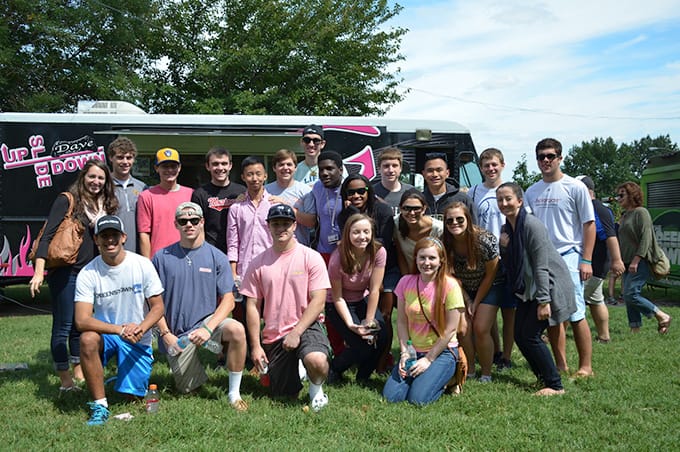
(550, 157)
(308, 140)
(413, 209)
(435, 155)
(184, 221)
(620, 195)
(357, 191)
(451, 220)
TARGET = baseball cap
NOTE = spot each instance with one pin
(189, 208)
(587, 181)
(281, 211)
(108, 222)
(313, 129)
(167, 155)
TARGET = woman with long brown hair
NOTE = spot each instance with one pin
(636, 242)
(356, 270)
(93, 197)
(473, 256)
(429, 305)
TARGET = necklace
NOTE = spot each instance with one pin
(186, 256)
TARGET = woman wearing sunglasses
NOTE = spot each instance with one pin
(635, 241)
(473, 256)
(413, 225)
(358, 196)
(356, 269)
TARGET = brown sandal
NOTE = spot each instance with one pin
(663, 326)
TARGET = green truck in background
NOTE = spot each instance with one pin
(661, 187)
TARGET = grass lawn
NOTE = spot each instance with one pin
(633, 403)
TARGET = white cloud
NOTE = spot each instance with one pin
(592, 63)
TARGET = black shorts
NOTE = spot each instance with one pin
(283, 365)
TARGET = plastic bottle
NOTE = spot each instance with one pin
(152, 399)
(264, 374)
(184, 341)
(412, 356)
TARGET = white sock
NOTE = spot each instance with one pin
(314, 389)
(102, 402)
(234, 386)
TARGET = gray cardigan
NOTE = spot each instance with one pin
(546, 275)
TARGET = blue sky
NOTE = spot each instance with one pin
(514, 72)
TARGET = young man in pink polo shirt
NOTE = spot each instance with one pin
(293, 280)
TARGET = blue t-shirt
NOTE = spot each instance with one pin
(194, 280)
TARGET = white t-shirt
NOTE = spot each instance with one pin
(489, 215)
(563, 206)
(119, 293)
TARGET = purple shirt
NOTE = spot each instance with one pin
(326, 204)
(247, 231)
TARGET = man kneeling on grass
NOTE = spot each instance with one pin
(112, 293)
(292, 280)
(197, 277)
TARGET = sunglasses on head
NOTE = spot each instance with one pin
(308, 140)
(184, 221)
(620, 195)
(357, 191)
(451, 220)
(550, 157)
(411, 208)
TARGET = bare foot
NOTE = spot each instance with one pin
(584, 373)
(549, 392)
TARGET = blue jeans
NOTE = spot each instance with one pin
(358, 352)
(636, 304)
(528, 331)
(425, 388)
(62, 284)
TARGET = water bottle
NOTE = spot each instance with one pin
(152, 399)
(264, 374)
(412, 356)
(183, 342)
(238, 298)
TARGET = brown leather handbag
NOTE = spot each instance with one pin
(66, 242)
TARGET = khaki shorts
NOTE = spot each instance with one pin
(592, 290)
(186, 367)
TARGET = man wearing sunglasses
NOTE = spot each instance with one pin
(312, 143)
(197, 277)
(438, 192)
(563, 204)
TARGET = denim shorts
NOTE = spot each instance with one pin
(499, 295)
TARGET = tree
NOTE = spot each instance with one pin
(55, 52)
(309, 57)
(609, 164)
(521, 175)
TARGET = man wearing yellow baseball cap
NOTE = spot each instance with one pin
(156, 206)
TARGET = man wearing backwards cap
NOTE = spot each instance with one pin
(312, 143)
(196, 274)
(112, 294)
(156, 206)
(606, 252)
(293, 280)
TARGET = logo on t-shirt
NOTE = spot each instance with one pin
(137, 288)
(218, 204)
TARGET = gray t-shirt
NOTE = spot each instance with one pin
(392, 198)
(292, 195)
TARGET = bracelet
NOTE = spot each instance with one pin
(586, 261)
(207, 329)
(122, 331)
(163, 333)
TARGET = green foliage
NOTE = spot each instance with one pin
(628, 405)
(521, 175)
(54, 53)
(609, 164)
(308, 57)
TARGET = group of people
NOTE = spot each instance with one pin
(301, 275)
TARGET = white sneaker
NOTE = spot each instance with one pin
(302, 371)
(320, 401)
